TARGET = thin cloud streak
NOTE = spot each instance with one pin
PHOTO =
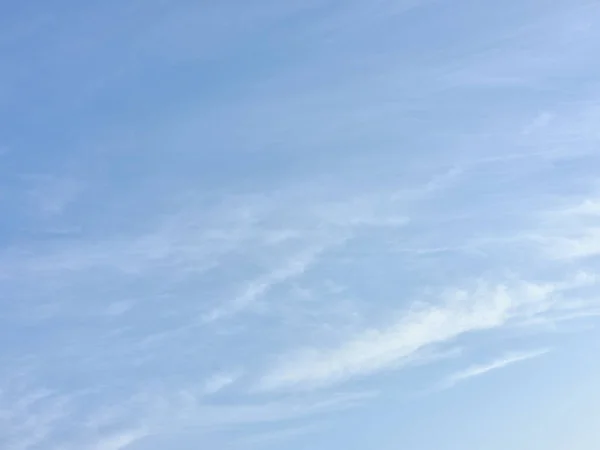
(291, 269)
(482, 369)
(486, 307)
(316, 192)
(220, 381)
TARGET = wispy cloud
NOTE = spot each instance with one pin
(29, 418)
(570, 232)
(195, 414)
(220, 381)
(583, 245)
(534, 51)
(42, 420)
(276, 437)
(318, 192)
(482, 369)
(118, 441)
(483, 308)
(296, 266)
(50, 196)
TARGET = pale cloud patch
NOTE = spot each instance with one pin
(187, 409)
(589, 207)
(539, 123)
(51, 196)
(29, 418)
(136, 301)
(119, 441)
(584, 245)
(294, 267)
(277, 436)
(40, 419)
(485, 307)
(535, 51)
(220, 381)
(571, 232)
(482, 369)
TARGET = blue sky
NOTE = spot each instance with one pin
(316, 224)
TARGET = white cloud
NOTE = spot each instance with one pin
(125, 302)
(294, 267)
(540, 122)
(32, 419)
(29, 418)
(571, 232)
(482, 308)
(536, 50)
(589, 207)
(482, 369)
(215, 416)
(119, 441)
(584, 245)
(277, 436)
(220, 381)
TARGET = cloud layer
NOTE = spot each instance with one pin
(235, 225)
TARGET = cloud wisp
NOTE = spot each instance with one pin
(482, 369)
(220, 381)
(226, 211)
(461, 312)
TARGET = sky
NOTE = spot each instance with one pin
(300, 224)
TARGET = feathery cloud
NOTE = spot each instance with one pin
(483, 308)
(220, 381)
(482, 369)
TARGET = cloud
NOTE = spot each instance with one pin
(351, 200)
(584, 245)
(570, 232)
(589, 207)
(486, 307)
(291, 269)
(118, 441)
(220, 381)
(32, 419)
(536, 50)
(191, 413)
(29, 418)
(482, 369)
(278, 436)
(51, 196)
(180, 239)
(540, 122)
